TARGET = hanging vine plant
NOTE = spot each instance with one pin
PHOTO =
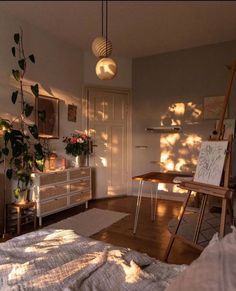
(21, 142)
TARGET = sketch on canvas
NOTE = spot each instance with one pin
(211, 162)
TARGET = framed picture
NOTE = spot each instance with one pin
(229, 127)
(47, 117)
(213, 106)
(72, 112)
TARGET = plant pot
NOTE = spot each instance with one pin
(23, 197)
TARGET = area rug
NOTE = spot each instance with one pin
(89, 222)
(210, 226)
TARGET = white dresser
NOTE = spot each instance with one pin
(59, 190)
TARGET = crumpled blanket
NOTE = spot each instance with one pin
(62, 260)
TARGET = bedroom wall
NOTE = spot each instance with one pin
(169, 89)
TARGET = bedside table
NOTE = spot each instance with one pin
(21, 214)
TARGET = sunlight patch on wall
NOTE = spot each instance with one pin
(179, 152)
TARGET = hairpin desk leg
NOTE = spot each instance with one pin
(170, 244)
(152, 212)
(140, 190)
(155, 205)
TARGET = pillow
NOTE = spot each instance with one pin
(214, 270)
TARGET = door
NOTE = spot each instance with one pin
(108, 116)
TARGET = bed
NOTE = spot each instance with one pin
(57, 259)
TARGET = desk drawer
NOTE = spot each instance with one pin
(53, 178)
(53, 205)
(80, 197)
(80, 173)
(80, 185)
(51, 191)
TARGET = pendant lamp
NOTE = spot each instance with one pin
(106, 68)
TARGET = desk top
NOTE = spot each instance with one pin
(160, 177)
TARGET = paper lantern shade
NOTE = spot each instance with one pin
(106, 69)
(100, 46)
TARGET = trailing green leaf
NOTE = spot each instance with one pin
(42, 115)
(14, 97)
(13, 50)
(17, 149)
(28, 109)
(22, 64)
(34, 130)
(16, 136)
(39, 164)
(17, 192)
(9, 173)
(39, 150)
(7, 136)
(35, 89)
(5, 124)
(16, 38)
(17, 163)
(16, 74)
(32, 58)
(5, 151)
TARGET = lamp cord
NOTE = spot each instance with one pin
(106, 25)
(102, 17)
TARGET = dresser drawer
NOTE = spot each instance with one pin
(80, 197)
(80, 185)
(79, 173)
(53, 178)
(51, 191)
(53, 205)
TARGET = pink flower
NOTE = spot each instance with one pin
(73, 140)
(80, 140)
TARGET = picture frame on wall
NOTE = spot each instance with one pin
(72, 112)
(212, 107)
(47, 117)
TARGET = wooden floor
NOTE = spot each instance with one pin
(151, 237)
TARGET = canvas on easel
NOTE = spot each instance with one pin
(211, 162)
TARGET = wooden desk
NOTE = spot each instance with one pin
(153, 177)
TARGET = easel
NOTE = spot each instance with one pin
(206, 190)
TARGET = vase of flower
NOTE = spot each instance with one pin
(79, 146)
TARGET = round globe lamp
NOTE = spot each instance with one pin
(106, 69)
(101, 47)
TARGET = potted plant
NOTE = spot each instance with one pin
(21, 144)
(78, 145)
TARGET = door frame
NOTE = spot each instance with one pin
(85, 122)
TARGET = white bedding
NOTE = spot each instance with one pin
(62, 260)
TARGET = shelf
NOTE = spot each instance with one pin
(164, 129)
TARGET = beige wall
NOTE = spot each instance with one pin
(180, 78)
